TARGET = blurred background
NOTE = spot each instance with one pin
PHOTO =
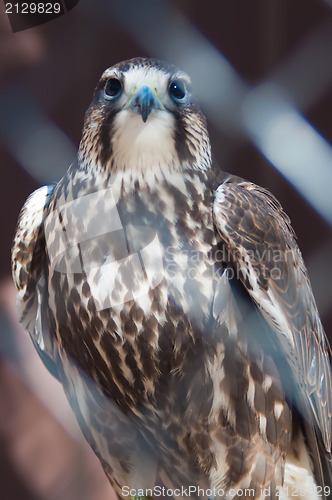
(262, 70)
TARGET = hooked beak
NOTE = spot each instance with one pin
(144, 102)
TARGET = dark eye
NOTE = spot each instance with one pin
(177, 90)
(113, 87)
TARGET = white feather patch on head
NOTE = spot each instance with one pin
(154, 77)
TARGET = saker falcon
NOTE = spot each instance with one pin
(172, 302)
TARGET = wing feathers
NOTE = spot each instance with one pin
(28, 259)
(262, 245)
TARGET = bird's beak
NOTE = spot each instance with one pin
(144, 102)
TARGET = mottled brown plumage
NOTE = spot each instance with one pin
(172, 302)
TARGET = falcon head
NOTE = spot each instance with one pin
(143, 117)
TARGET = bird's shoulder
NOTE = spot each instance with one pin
(28, 238)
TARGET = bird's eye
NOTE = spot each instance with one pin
(177, 90)
(113, 87)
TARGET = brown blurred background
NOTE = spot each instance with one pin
(48, 74)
